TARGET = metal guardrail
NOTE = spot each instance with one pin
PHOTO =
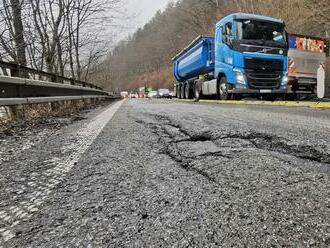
(19, 71)
(19, 90)
(19, 87)
(33, 100)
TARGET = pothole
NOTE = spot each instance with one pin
(185, 145)
(198, 148)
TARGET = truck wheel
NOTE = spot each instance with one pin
(187, 92)
(182, 91)
(197, 92)
(178, 94)
(222, 91)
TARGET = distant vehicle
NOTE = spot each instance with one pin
(152, 94)
(133, 95)
(164, 93)
(306, 55)
(124, 94)
(142, 92)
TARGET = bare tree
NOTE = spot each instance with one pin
(12, 35)
(18, 32)
(61, 36)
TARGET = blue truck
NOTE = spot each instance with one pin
(248, 55)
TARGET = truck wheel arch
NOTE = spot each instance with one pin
(220, 76)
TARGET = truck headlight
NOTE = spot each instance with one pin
(240, 78)
(285, 80)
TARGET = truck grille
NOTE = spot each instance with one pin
(263, 73)
(264, 79)
(263, 64)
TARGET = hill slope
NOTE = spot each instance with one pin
(145, 58)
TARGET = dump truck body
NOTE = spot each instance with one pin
(196, 59)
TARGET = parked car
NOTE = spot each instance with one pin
(152, 94)
(133, 95)
(164, 93)
(124, 94)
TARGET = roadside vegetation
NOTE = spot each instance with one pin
(144, 59)
(66, 37)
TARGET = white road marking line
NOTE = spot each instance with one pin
(7, 235)
(7, 218)
(54, 176)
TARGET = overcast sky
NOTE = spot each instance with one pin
(140, 12)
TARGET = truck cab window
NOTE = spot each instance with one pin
(226, 32)
(228, 29)
(266, 33)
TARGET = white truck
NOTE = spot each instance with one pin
(305, 56)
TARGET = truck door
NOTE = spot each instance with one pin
(224, 54)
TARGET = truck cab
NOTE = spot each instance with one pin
(248, 55)
(251, 53)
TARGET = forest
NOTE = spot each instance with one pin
(144, 59)
(65, 37)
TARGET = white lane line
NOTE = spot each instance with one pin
(60, 166)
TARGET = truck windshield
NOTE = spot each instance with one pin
(263, 33)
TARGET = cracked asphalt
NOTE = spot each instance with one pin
(166, 173)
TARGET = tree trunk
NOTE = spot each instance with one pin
(19, 33)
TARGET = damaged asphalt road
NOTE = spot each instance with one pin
(170, 174)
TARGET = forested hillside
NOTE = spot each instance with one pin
(145, 58)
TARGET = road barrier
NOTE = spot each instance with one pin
(23, 72)
(19, 90)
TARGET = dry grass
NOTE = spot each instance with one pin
(34, 112)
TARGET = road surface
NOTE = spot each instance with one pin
(161, 173)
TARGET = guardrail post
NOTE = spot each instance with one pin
(53, 78)
(15, 71)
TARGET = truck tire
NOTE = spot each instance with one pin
(222, 89)
(188, 91)
(177, 93)
(182, 91)
(197, 91)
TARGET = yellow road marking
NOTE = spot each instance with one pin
(267, 103)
